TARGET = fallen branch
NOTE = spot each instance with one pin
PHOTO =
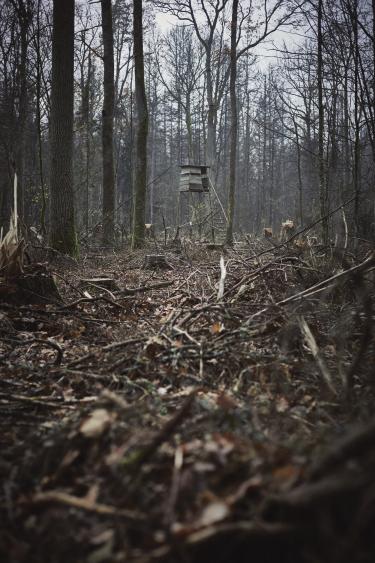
(223, 275)
(166, 431)
(356, 444)
(159, 285)
(314, 349)
(84, 504)
(107, 348)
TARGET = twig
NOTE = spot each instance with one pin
(159, 285)
(166, 431)
(107, 348)
(311, 343)
(84, 504)
(34, 401)
(91, 300)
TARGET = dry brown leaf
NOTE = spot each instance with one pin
(216, 328)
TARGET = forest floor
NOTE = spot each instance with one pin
(171, 417)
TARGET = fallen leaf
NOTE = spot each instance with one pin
(226, 402)
(216, 328)
(282, 404)
(214, 512)
(96, 423)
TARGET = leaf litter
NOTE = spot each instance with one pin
(189, 417)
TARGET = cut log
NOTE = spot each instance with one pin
(153, 261)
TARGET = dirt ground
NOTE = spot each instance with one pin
(218, 409)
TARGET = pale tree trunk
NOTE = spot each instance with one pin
(189, 130)
(234, 124)
(140, 164)
(211, 118)
(107, 126)
(299, 170)
(43, 208)
(62, 232)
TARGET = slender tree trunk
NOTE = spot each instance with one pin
(24, 18)
(107, 126)
(211, 118)
(234, 124)
(189, 130)
(264, 155)
(43, 208)
(322, 167)
(357, 148)
(299, 169)
(142, 131)
(62, 232)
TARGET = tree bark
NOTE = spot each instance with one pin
(138, 237)
(234, 123)
(62, 233)
(322, 167)
(107, 126)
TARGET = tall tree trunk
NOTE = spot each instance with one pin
(141, 132)
(107, 125)
(62, 232)
(24, 15)
(43, 208)
(299, 169)
(321, 161)
(357, 147)
(234, 124)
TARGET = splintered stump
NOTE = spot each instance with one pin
(34, 285)
(154, 261)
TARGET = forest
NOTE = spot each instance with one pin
(187, 281)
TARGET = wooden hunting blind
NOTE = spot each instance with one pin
(193, 178)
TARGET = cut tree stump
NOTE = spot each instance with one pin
(156, 261)
(35, 285)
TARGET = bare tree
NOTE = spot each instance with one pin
(107, 125)
(62, 229)
(140, 164)
(234, 124)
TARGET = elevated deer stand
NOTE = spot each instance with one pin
(194, 182)
(194, 179)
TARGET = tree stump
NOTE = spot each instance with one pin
(35, 285)
(156, 261)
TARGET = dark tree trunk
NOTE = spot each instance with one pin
(62, 231)
(322, 166)
(107, 125)
(141, 131)
(234, 123)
